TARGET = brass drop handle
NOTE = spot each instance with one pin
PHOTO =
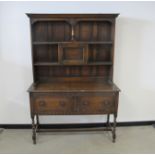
(106, 102)
(62, 103)
(85, 103)
(42, 103)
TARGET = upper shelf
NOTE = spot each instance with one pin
(80, 42)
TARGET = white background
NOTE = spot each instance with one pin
(134, 58)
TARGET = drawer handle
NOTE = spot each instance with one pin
(85, 103)
(106, 102)
(42, 103)
(62, 103)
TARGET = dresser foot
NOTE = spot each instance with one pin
(114, 130)
(114, 140)
(34, 141)
(114, 137)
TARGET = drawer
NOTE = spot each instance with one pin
(52, 105)
(96, 105)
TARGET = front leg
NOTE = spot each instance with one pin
(37, 123)
(108, 118)
(114, 129)
(37, 117)
(33, 130)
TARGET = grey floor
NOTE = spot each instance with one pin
(129, 140)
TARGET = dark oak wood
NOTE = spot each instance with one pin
(72, 59)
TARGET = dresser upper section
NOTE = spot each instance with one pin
(72, 45)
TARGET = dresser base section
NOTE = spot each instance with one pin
(73, 104)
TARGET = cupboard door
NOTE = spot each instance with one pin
(73, 54)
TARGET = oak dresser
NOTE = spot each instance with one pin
(72, 62)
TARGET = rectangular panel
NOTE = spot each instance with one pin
(47, 31)
(104, 31)
(93, 31)
(73, 54)
(99, 53)
(44, 73)
(46, 53)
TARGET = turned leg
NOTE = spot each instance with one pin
(33, 130)
(37, 121)
(37, 117)
(114, 129)
(108, 118)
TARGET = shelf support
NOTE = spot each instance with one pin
(72, 22)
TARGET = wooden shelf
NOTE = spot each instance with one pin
(58, 64)
(99, 85)
(46, 64)
(100, 63)
(44, 43)
(80, 42)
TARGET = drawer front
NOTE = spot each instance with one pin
(56, 105)
(96, 105)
